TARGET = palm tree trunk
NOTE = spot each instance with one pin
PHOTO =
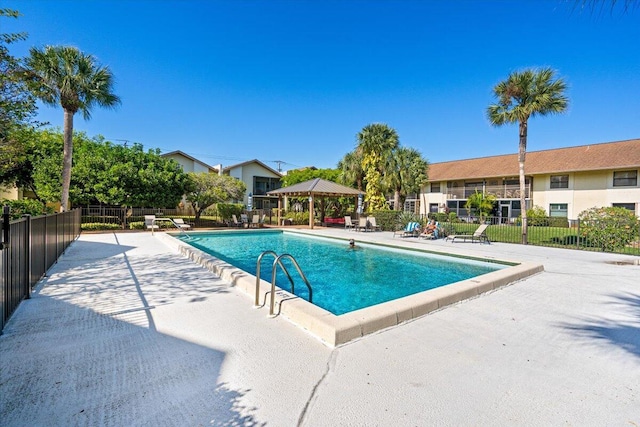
(522, 151)
(396, 200)
(67, 156)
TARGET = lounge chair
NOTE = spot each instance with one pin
(480, 235)
(412, 229)
(179, 222)
(255, 221)
(363, 224)
(150, 222)
(235, 222)
(348, 225)
(372, 224)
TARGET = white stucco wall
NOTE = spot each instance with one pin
(189, 165)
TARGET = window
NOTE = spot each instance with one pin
(559, 181)
(558, 209)
(629, 206)
(433, 207)
(625, 178)
(435, 187)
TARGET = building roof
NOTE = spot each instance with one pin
(237, 165)
(316, 187)
(606, 156)
(185, 155)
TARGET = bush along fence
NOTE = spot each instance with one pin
(29, 247)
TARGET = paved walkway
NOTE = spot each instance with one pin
(125, 332)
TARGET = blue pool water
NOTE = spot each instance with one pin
(342, 279)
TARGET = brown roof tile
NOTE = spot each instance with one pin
(611, 155)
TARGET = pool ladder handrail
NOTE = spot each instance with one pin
(277, 262)
(258, 264)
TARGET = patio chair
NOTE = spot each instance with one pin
(150, 222)
(235, 222)
(431, 231)
(348, 225)
(372, 223)
(255, 221)
(179, 222)
(480, 235)
(412, 229)
(363, 224)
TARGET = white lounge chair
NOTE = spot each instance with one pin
(150, 222)
(348, 224)
(179, 222)
(480, 235)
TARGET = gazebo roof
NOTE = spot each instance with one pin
(316, 187)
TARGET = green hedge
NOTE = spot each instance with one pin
(92, 226)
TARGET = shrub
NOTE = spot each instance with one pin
(137, 225)
(386, 219)
(297, 218)
(453, 217)
(26, 207)
(442, 216)
(227, 210)
(609, 228)
(92, 226)
(537, 216)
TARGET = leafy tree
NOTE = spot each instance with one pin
(521, 96)
(301, 175)
(17, 105)
(482, 203)
(351, 173)
(64, 75)
(106, 173)
(375, 143)
(208, 188)
(609, 228)
(405, 174)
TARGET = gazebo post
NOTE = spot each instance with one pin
(311, 219)
(279, 209)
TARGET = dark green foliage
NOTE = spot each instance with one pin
(387, 220)
(301, 175)
(26, 207)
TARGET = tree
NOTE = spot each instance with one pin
(64, 75)
(521, 96)
(103, 172)
(301, 175)
(208, 188)
(482, 203)
(405, 174)
(351, 173)
(375, 144)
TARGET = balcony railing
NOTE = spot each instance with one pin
(498, 191)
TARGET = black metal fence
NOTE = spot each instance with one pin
(31, 245)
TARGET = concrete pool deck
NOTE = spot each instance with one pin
(123, 331)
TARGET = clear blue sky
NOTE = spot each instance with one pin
(229, 81)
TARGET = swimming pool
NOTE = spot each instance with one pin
(333, 329)
(343, 279)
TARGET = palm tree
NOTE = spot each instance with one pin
(406, 173)
(375, 144)
(62, 75)
(482, 203)
(523, 95)
(350, 168)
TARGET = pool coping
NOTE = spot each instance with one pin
(335, 330)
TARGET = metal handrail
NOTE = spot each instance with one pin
(275, 255)
(277, 262)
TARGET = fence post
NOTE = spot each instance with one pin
(578, 234)
(27, 242)
(5, 227)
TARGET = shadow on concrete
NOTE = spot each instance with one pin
(624, 334)
(67, 365)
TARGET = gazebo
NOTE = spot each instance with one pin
(315, 188)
